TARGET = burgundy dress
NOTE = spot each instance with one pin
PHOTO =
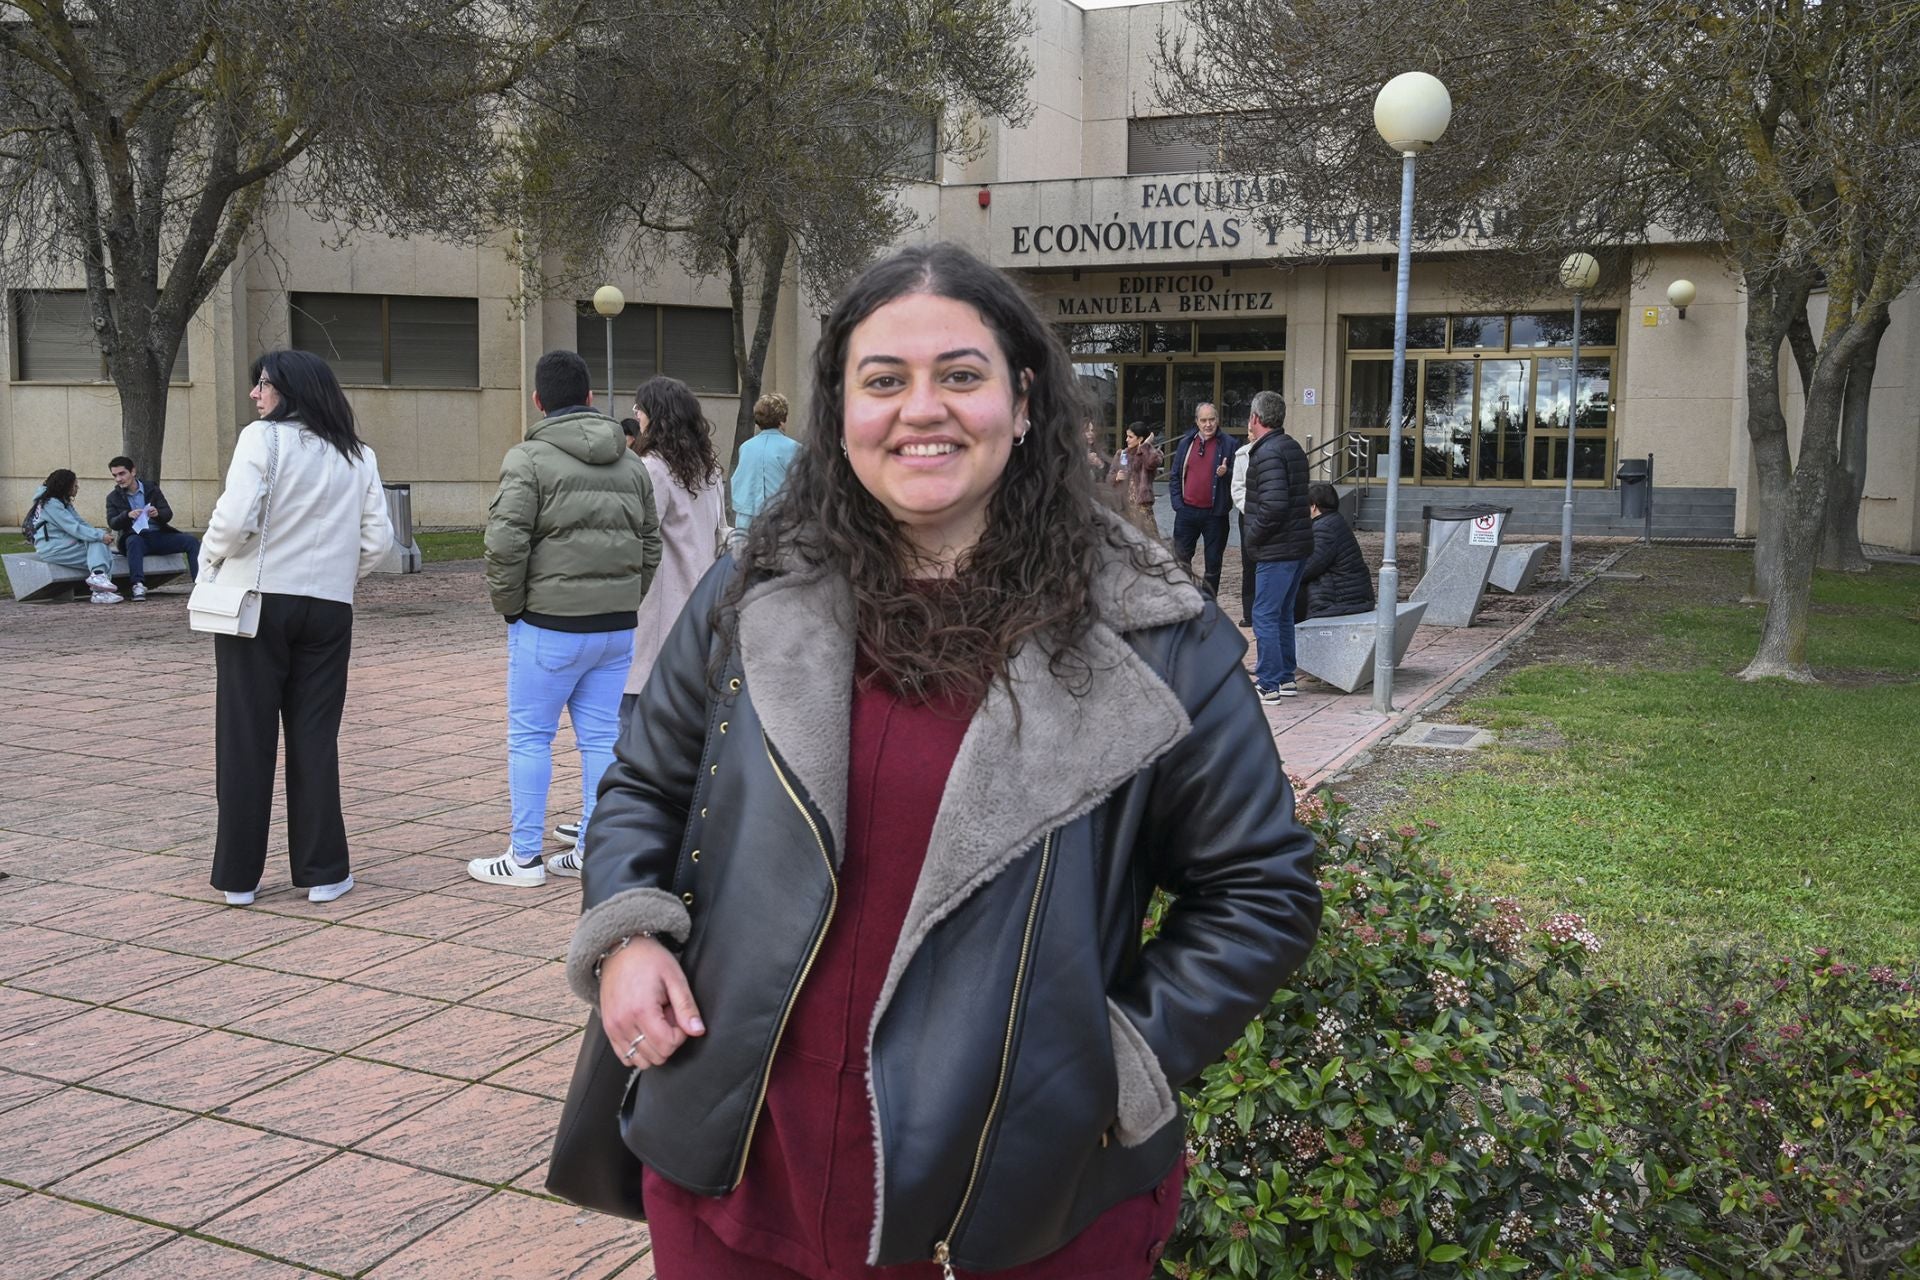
(805, 1207)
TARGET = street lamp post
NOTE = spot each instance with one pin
(1411, 112)
(609, 302)
(1579, 272)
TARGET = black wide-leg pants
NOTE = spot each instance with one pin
(293, 672)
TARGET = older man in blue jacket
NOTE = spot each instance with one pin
(1199, 489)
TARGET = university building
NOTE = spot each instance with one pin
(1166, 290)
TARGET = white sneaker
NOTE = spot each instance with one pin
(139, 591)
(106, 597)
(244, 898)
(100, 581)
(328, 892)
(567, 864)
(507, 869)
(568, 831)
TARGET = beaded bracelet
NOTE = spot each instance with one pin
(619, 946)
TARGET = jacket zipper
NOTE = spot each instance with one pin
(813, 953)
(943, 1251)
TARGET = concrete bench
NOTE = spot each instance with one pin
(34, 579)
(1340, 650)
(1516, 565)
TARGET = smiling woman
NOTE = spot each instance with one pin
(864, 887)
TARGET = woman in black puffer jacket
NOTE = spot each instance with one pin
(1335, 580)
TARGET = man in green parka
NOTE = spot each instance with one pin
(572, 543)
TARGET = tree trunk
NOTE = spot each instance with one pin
(1783, 637)
(1840, 541)
(1767, 430)
(752, 357)
(143, 414)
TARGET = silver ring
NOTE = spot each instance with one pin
(634, 1044)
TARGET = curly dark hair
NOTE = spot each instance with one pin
(1029, 577)
(678, 431)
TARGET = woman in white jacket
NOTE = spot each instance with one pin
(302, 514)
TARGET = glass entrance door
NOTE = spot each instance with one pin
(1446, 419)
(1500, 447)
(1192, 387)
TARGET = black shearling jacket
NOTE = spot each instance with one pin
(1027, 1048)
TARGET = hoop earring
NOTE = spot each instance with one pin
(843, 446)
(1026, 429)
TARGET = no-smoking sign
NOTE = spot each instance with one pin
(1485, 531)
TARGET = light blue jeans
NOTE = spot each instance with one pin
(547, 670)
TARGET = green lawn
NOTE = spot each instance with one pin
(450, 544)
(1673, 804)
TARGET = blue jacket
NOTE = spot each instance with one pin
(61, 528)
(1222, 484)
(763, 468)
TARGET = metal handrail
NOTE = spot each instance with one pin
(1349, 448)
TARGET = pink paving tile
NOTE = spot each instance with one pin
(433, 915)
(192, 1173)
(226, 934)
(342, 1101)
(465, 1042)
(213, 1068)
(110, 972)
(49, 1139)
(516, 1237)
(541, 934)
(546, 1073)
(393, 1205)
(444, 971)
(25, 948)
(336, 1018)
(17, 1090)
(46, 901)
(490, 1135)
(98, 1040)
(365, 896)
(136, 917)
(184, 1258)
(221, 994)
(335, 952)
(417, 872)
(542, 993)
(46, 1239)
(167, 873)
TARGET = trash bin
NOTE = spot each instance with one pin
(1455, 517)
(1636, 487)
(406, 555)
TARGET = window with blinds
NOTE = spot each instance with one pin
(391, 340)
(1174, 144)
(693, 344)
(53, 339)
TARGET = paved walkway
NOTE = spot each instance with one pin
(366, 1088)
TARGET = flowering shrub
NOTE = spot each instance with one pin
(1395, 1113)
(1775, 1103)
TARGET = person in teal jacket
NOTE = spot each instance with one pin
(763, 460)
(62, 536)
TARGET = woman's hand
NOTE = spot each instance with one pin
(646, 1007)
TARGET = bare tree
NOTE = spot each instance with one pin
(744, 135)
(140, 141)
(1776, 132)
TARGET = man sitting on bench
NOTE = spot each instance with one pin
(139, 513)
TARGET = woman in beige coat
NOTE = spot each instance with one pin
(676, 444)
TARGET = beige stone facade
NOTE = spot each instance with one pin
(1143, 257)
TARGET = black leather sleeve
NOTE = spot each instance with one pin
(633, 841)
(1221, 837)
(119, 511)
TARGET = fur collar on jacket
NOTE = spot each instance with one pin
(1009, 784)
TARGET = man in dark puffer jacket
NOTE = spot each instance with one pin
(1278, 534)
(1335, 580)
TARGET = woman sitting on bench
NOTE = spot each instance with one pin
(61, 536)
(1334, 582)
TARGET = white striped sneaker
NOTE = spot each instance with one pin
(567, 864)
(507, 869)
